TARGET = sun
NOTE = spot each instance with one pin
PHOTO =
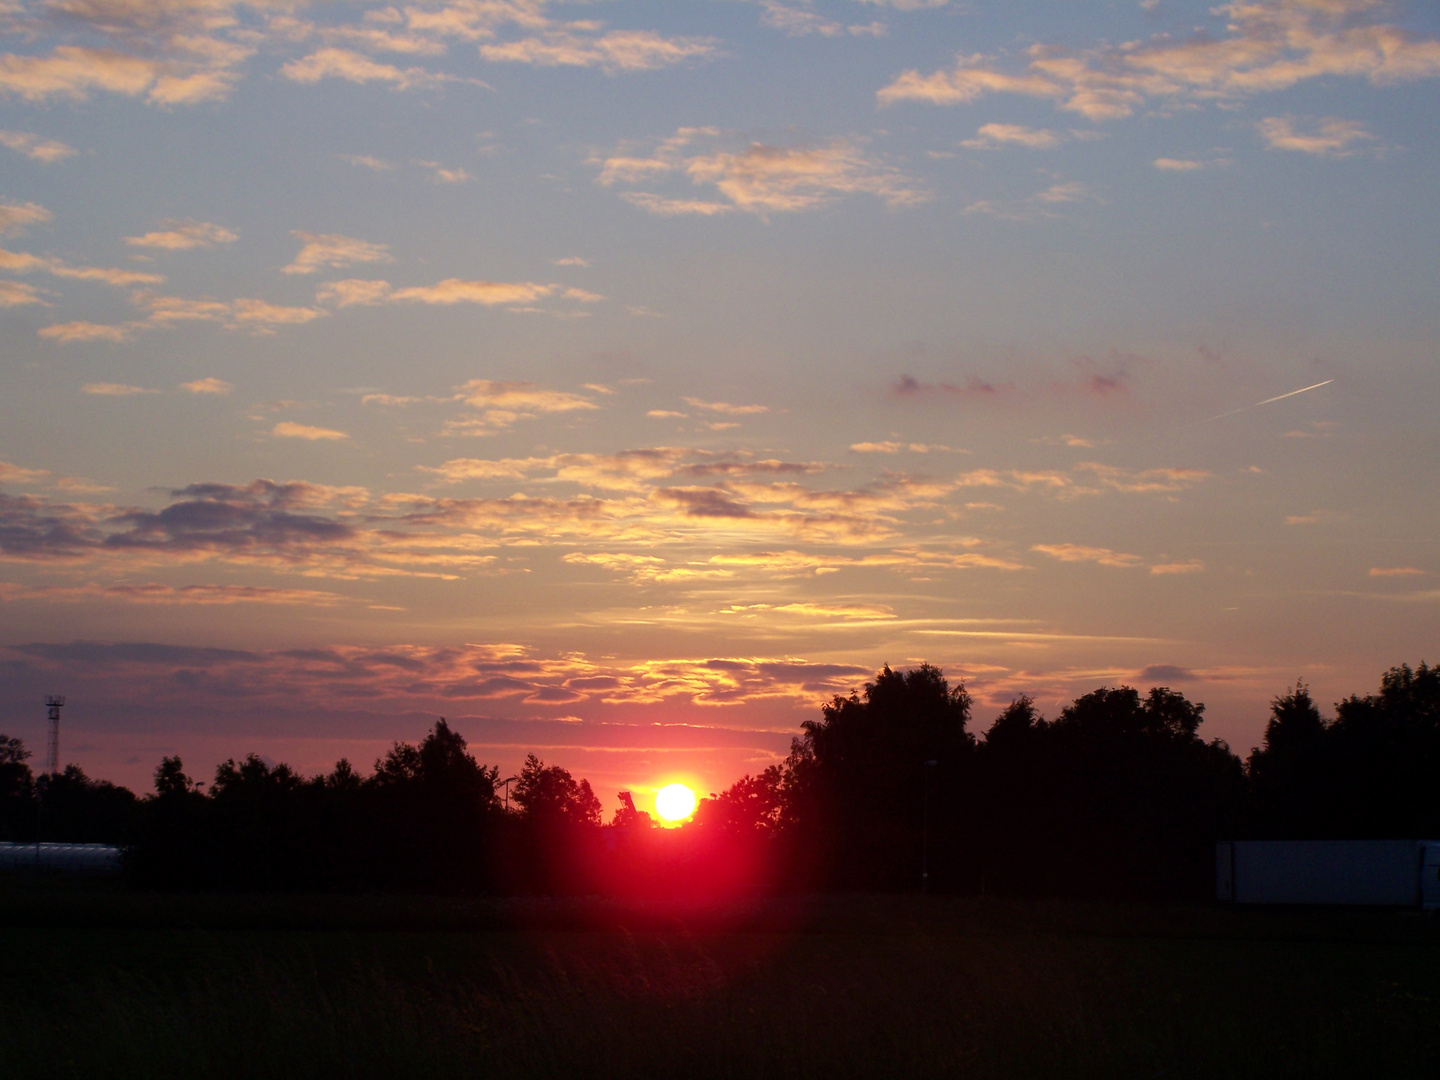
(674, 802)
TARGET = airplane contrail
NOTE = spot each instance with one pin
(1267, 401)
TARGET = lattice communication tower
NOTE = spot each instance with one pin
(52, 749)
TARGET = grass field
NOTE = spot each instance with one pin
(100, 984)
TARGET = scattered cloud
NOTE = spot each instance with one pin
(725, 407)
(209, 385)
(1330, 138)
(110, 389)
(346, 64)
(36, 147)
(756, 178)
(1042, 204)
(17, 217)
(333, 250)
(1265, 46)
(81, 331)
(611, 51)
(488, 293)
(1081, 553)
(18, 293)
(1189, 566)
(990, 136)
(287, 429)
(801, 21)
(1165, 164)
(353, 291)
(1397, 571)
(181, 236)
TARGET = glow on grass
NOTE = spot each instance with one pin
(674, 802)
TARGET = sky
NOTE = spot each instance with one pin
(622, 380)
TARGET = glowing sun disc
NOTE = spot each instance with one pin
(675, 802)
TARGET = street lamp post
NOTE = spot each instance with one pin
(925, 831)
(507, 781)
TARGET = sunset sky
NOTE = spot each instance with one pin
(621, 380)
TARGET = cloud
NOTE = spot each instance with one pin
(1166, 674)
(35, 147)
(353, 291)
(571, 260)
(1166, 164)
(757, 178)
(17, 217)
(489, 293)
(110, 389)
(15, 474)
(1038, 205)
(209, 385)
(974, 387)
(990, 136)
(442, 175)
(802, 21)
(333, 250)
(374, 164)
(612, 51)
(80, 331)
(1266, 46)
(156, 593)
(289, 430)
(335, 63)
(1397, 571)
(521, 397)
(184, 236)
(726, 408)
(18, 293)
(177, 56)
(1081, 553)
(662, 206)
(1332, 138)
(1144, 481)
(261, 315)
(1189, 566)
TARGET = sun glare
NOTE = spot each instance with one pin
(674, 802)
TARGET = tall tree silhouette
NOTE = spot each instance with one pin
(864, 778)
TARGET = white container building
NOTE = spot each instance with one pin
(1391, 873)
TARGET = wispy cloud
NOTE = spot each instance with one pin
(182, 236)
(208, 386)
(332, 250)
(110, 389)
(36, 147)
(287, 429)
(756, 178)
(990, 136)
(1330, 138)
(1266, 45)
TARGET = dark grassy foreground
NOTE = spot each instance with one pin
(98, 984)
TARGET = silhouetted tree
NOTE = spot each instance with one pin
(1118, 795)
(435, 811)
(1387, 747)
(549, 795)
(79, 810)
(17, 791)
(857, 781)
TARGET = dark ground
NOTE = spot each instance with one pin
(96, 982)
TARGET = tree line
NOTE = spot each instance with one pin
(1118, 794)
